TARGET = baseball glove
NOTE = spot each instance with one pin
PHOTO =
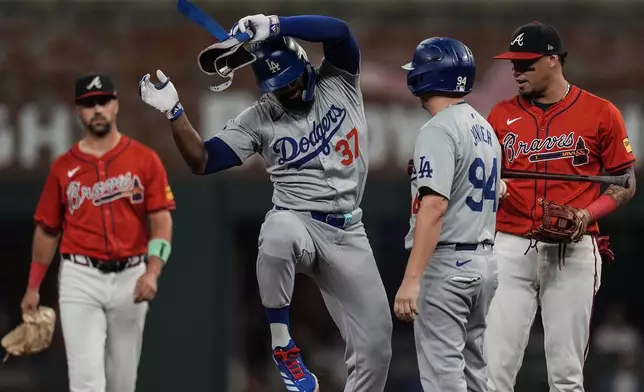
(561, 224)
(33, 335)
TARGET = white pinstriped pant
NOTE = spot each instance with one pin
(565, 294)
(102, 327)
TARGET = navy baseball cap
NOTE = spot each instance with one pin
(532, 41)
(93, 85)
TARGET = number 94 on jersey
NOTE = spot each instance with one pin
(480, 187)
(485, 181)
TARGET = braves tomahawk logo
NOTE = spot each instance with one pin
(102, 192)
(297, 153)
(548, 149)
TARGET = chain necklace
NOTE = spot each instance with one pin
(562, 98)
(566, 94)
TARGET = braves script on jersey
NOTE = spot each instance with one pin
(581, 134)
(457, 156)
(317, 162)
(101, 204)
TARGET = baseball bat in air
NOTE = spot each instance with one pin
(198, 16)
(624, 180)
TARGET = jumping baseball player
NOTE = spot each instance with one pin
(310, 128)
(98, 198)
(450, 277)
(551, 126)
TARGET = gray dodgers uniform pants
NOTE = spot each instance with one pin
(455, 294)
(342, 264)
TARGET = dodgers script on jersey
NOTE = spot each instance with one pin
(458, 156)
(317, 161)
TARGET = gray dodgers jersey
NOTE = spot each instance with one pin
(458, 156)
(316, 161)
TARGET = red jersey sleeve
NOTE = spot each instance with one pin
(50, 209)
(158, 194)
(616, 150)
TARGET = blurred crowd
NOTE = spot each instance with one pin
(617, 354)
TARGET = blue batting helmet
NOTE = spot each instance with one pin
(280, 61)
(441, 65)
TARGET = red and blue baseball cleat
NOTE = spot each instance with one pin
(296, 377)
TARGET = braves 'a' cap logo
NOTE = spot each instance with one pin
(518, 40)
(95, 83)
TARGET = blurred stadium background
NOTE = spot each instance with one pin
(206, 330)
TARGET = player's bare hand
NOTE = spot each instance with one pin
(30, 301)
(584, 219)
(146, 287)
(405, 305)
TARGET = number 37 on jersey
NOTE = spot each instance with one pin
(349, 147)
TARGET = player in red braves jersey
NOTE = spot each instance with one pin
(98, 199)
(551, 126)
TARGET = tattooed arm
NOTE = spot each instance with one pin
(617, 158)
(620, 194)
(612, 199)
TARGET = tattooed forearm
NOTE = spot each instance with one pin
(614, 198)
(620, 194)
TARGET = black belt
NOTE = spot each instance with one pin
(463, 246)
(336, 220)
(105, 266)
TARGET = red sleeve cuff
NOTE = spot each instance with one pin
(169, 207)
(47, 228)
(621, 167)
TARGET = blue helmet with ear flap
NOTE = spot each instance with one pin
(441, 65)
(280, 62)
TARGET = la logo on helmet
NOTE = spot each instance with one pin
(273, 66)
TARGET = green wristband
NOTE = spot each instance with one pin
(160, 248)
